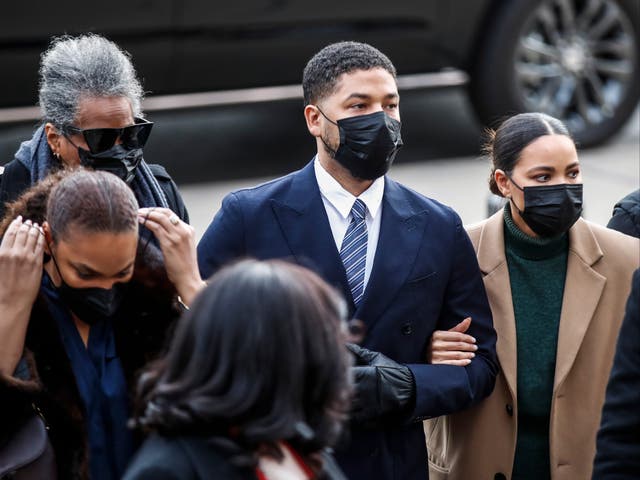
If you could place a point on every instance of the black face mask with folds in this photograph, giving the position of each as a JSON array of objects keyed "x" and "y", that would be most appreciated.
[
  {"x": 368, "y": 144},
  {"x": 91, "y": 305},
  {"x": 551, "y": 210},
  {"x": 120, "y": 161}
]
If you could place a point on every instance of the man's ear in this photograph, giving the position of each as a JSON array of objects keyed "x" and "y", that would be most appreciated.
[
  {"x": 53, "y": 138},
  {"x": 312, "y": 116},
  {"x": 503, "y": 183}
]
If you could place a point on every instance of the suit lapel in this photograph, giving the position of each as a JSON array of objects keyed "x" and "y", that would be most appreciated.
[
  {"x": 582, "y": 291},
  {"x": 303, "y": 221},
  {"x": 493, "y": 264},
  {"x": 401, "y": 235}
]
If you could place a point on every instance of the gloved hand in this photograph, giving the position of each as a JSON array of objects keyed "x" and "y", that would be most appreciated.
[{"x": 385, "y": 390}]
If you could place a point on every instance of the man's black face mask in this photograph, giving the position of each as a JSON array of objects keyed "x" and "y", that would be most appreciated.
[{"x": 368, "y": 144}]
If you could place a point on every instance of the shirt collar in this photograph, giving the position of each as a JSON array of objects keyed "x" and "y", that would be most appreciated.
[{"x": 342, "y": 200}]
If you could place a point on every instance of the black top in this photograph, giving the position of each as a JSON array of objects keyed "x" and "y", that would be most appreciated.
[
  {"x": 618, "y": 444},
  {"x": 193, "y": 458},
  {"x": 45, "y": 377},
  {"x": 626, "y": 215}
]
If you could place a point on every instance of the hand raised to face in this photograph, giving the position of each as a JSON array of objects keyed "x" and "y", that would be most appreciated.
[
  {"x": 21, "y": 257},
  {"x": 178, "y": 245}
]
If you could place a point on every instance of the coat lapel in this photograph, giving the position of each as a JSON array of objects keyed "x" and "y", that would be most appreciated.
[
  {"x": 401, "y": 236},
  {"x": 582, "y": 291},
  {"x": 493, "y": 264},
  {"x": 303, "y": 221}
]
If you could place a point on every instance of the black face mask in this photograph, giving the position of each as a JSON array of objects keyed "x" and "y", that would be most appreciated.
[
  {"x": 91, "y": 305},
  {"x": 551, "y": 210},
  {"x": 368, "y": 144},
  {"x": 119, "y": 160}
]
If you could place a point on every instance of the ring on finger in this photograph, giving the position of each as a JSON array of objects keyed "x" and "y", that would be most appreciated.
[{"x": 174, "y": 219}]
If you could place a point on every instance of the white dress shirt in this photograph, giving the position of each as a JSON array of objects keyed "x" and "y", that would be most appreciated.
[{"x": 338, "y": 202}]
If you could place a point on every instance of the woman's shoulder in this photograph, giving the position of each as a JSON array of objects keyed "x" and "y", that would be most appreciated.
[
  {"x": 475, "y": 230},
  {"x": 610, "y": 253},
  {"x": 181, "y": 457},
  {"x": 612, "y": 242},
  {"x": 160, "y": 458}
]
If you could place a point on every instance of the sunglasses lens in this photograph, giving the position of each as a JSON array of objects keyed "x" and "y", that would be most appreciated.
[
  {"x": 101, "y": 139},
  {"x": 135, "y": 136}
]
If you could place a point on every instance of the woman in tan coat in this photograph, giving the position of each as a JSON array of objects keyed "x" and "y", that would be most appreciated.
[{"x": 557, "y": 286}]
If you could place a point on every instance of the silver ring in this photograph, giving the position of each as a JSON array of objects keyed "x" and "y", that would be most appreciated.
[{"x": 174, "y": 219}]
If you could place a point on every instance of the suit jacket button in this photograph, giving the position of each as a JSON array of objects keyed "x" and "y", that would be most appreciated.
[
  {"x": 499, "y": 476},
  {"x": 509, "y": 408},
  {"x": 407, "y": 329}
]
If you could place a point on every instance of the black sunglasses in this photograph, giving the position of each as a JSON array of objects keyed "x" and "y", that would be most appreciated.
[{"x": 102, "y": 139}]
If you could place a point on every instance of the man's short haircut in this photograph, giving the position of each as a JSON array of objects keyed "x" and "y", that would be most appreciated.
[{"x": 321, "y": 74}]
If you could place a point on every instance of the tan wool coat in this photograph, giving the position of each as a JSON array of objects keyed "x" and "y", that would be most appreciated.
[{"x": 479, "y": 443}]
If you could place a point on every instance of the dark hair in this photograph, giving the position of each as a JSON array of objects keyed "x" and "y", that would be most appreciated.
[
  {"x": 32, "y": 203},
  {"x": 324, "y": 69},
  {"x": 94, "y": 201},
  {"x": 505, "y": 144},
  {"x": 258, "y": 359},
  {"x": 149, "y": 280}
]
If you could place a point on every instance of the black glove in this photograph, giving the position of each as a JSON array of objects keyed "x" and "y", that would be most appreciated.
[{"x": 385, "y": 390}]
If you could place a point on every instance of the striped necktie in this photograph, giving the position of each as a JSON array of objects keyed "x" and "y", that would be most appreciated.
[{"x": 354, "y": 250}]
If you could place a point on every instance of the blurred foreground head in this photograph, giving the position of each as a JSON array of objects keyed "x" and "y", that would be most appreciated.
[{"x": 258, "y": 359}]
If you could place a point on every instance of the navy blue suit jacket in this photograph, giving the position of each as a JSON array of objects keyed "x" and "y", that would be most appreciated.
[{"x": 425, "y": 277}]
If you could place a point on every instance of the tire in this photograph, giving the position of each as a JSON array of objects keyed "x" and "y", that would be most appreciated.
[{"x": 528, "y": 60}]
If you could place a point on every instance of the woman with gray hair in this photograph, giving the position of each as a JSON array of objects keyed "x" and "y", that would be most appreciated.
[{"x": 90, "y": 99}]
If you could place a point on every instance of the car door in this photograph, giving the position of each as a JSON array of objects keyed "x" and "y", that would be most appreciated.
[
  {"x": 250, "y": 43},
  {"x": 143, "y": 27}
]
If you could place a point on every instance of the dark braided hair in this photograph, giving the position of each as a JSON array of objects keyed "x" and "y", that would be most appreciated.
[{"x": 32, "y": 203}]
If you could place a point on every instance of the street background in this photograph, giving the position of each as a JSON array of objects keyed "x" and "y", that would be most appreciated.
[
  {"x": 441, "y": 159},
  {"x": 213, "y": 151}
]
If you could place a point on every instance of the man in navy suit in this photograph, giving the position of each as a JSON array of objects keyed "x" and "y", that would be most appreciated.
[{"x": 403, "y": 261}]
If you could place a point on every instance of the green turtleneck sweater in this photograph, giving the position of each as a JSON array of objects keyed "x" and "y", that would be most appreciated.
[{"x": 537, "y": 270}]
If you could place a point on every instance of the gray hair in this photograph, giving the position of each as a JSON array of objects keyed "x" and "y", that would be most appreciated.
[{"x": 74, "y": 68}]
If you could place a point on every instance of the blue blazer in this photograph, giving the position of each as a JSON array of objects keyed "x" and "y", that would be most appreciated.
[{"x": 425, "y": 277}]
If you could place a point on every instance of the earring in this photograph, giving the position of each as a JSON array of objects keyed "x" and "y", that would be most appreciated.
[{"x": 57, "y": 155}]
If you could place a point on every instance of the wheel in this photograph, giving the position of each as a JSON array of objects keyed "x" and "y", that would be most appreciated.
[{"x": 577, "y": 60}]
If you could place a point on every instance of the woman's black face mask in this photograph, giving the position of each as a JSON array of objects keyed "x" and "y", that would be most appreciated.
[
  {"x": 551, "y": 210},
  {"x": 368, "y": 144},
  {"x": 91, "y": 305},
  {"x": 120, "y": 161}
]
